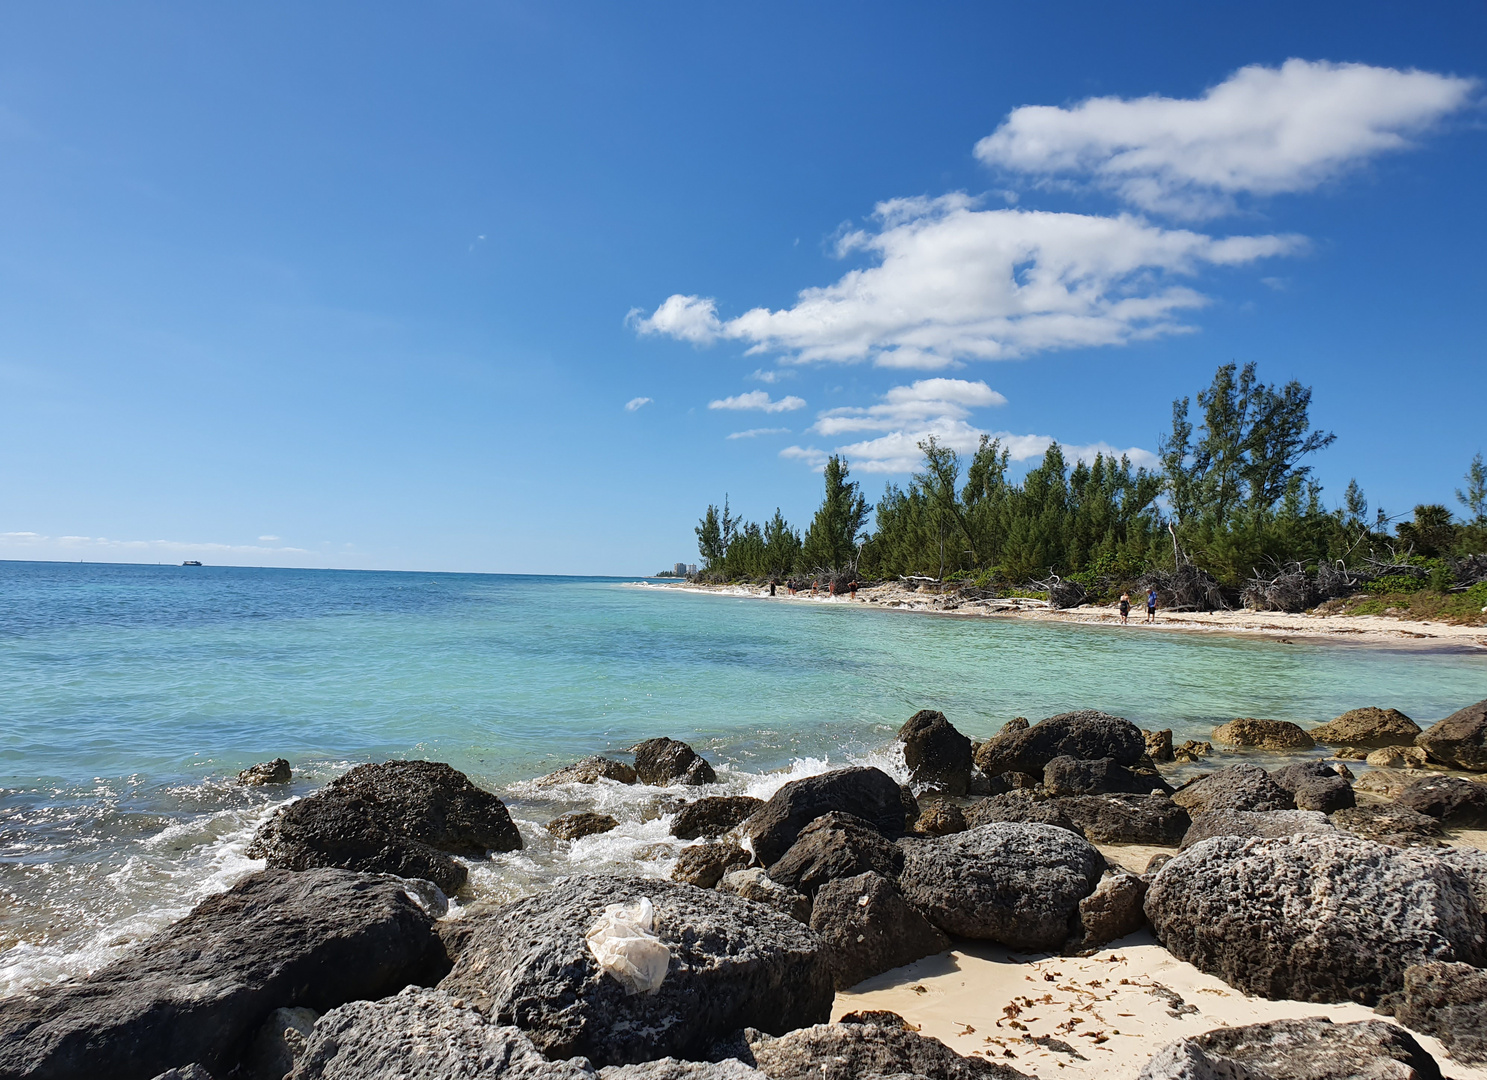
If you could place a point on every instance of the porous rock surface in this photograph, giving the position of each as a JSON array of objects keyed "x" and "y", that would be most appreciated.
[
  {"x": 940, "y": 819},
  {"x": 1250, "y": 823},
  {"x": 1310, "y": 1049},
  {"x": 734, "y": 964},
  {"x": 397, "y": 817},
  {"x": 1017, "y": 884},
  {"x": 1459, "y": 740},
  {"x": 1087, "y": 734},
  {"x": 869, "y": 928},
  {"x": 672, "y": 1069},
  {"x": 1067, "y": 775},
  {"x": 280, "y": 1043},
  {"x": 1315, "y": 785},
  {"x": 1452, "y": 800},
  {"x": 581, "y": 823},
  {"x": 704, "y": 865},
  {"x": 864, "y": 792},
  {"x": 590, "y": 771},
  {"x": 937, "y": 755},
  {"x": 1112, "y": 911},
  {"x": 754, "y": 883},
  {"x": 1368, "y": 729},
  {"x": 199, "y": 990},
  {"x": 835, "y": 845},
  {"x": 1390, "y": 823},
  {"x": 1279, "y": 735},
  {"x": 1100, "y": 819},
  {"x": 267, "y": 772},
  {"x": 662, "y": 762},
  {"x": 1235, "y": 787},
  {"x": 713, "y": 816},
  {"x": 423, "y": 1035},
  {"x": 1312, "y": 917},
  {"x": 1448, "y": 1001},
  {"x": 859, "y": 1051}
]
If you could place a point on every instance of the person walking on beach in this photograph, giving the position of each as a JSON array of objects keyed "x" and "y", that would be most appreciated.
[
  {"x": 1125, "y": 607},
  {"x": 1151, "y": 604}
]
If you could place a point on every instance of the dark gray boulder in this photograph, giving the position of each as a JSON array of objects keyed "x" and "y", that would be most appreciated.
[
  {"x": 1021, "y": 807},
  {"x": 1111, "y": 912},
  {"x": 1312, "y": 917},
  {"x": 398, "y": 817},
  {"x": 937, "y": 755},
  {"x": 590, "y": 771},
  {"x": 663, "y": 762},
  {"x": 1448, "y": 1001},
  {"x": 867, "y": 793},
  {"x": 834, "y": 846},
  {"x": 1016, "y": 884},
  {"x": 754, "y": 883},
  {"x": 1249, "y": 823},
  {"x": 1460, "y": 740},
  {"x": 713, "y": 816},
  {"x": 201, "y": 989},
  {"x": 1471, "y": 865},
  {"x": 267, "y": 772},
  {"x": 704, "y": 865},
  {"x": 1100, "y": 776},
  {"x": 581, "y": 823},
  {"x": 1087, "y": 735},
  {"x": 672, "y": 1069},
  {"x": 1315, "y": 786},
  {"x": 870, "y": 929},
  {"x": 859, "y": 1051},
  {"x": 279, "y": 1044},
  {"x": 424, "y": 1035},
  {"x": 1450, "y": 799},
  {"x": 733, "y": 964},
  {"x": 1367, "y": 729},
  {"x": 1100, "y": 819},
  {"x": 1311, "y": 1049},
  {"x": 186, "y": 1072},
  {"x": 1390, "y": 823},
  {"x": 1236, "y": 787}
]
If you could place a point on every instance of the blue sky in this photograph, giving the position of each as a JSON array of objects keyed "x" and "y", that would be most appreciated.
[{"x": 354, "y": 285}]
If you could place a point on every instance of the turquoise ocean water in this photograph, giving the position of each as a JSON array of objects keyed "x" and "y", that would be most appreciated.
[{"x": 132, "y": 694}]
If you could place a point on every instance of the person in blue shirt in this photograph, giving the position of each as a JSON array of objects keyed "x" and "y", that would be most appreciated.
[{"x": 1151, "y": 604}]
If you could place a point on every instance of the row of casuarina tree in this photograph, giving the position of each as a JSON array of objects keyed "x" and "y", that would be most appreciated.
[{"x": 1232, "y": 515}]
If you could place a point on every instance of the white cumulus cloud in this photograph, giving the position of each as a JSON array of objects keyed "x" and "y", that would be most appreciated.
[
  {"x": 760, "y": 400},
  {"x": 1262, "y": 131},
  {"x": 927, "y": 399},
  {"x": 754, "y": 433},
  {"x": 636, "y": 403},
  {"x": 951, "y": 283}
]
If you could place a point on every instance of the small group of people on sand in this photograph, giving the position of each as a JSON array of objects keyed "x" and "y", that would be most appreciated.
[{"x": 1151, "y": 605}]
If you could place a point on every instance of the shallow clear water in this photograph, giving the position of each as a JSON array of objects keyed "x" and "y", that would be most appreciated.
[{"x": 132, "y": 694}]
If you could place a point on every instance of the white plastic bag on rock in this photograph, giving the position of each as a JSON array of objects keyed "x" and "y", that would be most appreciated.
[{"x": 625, "y": 947}]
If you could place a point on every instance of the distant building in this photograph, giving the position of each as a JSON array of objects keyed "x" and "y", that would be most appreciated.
[
  {"x": 691, "y": 569},
  {"x": 681, "y": 569}
]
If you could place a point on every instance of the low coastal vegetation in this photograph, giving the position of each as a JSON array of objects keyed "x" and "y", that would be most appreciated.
[{"x": 1233, "y": 515}]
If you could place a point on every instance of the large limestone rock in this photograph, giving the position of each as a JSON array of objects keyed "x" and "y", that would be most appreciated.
[
  {"x": 1237, "y": 787},
  {"x": 1311, "y": 1049},
  {"x": 870, "y": 929},
  {"x": 201, "y": 989},
  {"x": 1368, "y": 729},
  {"x": 754, "y": 883},
  {"x": 1315, "y": 786},
  {"x": 704, "y": 865},
  {"x": 1312, "y": 917},
  {"x": 867, "y": 793},
  {"x": 581, "y": 823},
  {"x": 266, "y": 772},
  {"x": 1460, "y": 740},
  {"x": 734, "y": 964},
  {"x": 1390, "y": 823},
  {"x": 590, "y": 771},
  {"x": 940, "y": 819},
  {"x": 1086, "y": 735},
  {"x": 1102, "y": 776},
  {"x": 673, "y": 1069},
  {"x": 399, "y": 817},
  {"x": 1452, "y": 800},
  {"x": 713, "y": 816},
  {"x": 1248, "y": 823},
  {"x": 1275, "y": 735},
  {"x": 1112, "y": 911},
  {"x": 423, "y": 1035},
  {"x": 1448, "y": 1001},
  {"x": 835, "y": 846},
  {"x": 1016, "y": 884},
  {"x": 862, "y": 1051},
  {"x": 663, "y": 762},
  {"x": 1100, "y": 819},
  {"x": 937, "y": 755}
]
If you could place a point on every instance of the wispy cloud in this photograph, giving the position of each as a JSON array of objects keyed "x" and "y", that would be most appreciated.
[
  {"x": 760, "y": 400},
  {"x": 1262, "y": 131},
  {"x": 926, "y": 399},
  {"x": 637, "y": 403},
  {"x": 754, "y": 433},
  {"x": 268, "y": 539},
  {"x": 83, "y": 545}
]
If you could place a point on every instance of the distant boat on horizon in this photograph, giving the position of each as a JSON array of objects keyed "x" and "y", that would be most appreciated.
[{"x": 191, "y": 562}]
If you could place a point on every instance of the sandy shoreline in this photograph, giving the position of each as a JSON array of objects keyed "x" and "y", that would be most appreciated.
[{"x": 1356, "y": 629}]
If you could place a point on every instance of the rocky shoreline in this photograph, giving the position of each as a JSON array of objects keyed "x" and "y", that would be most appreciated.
[{"x": 1303, "y": 883}]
